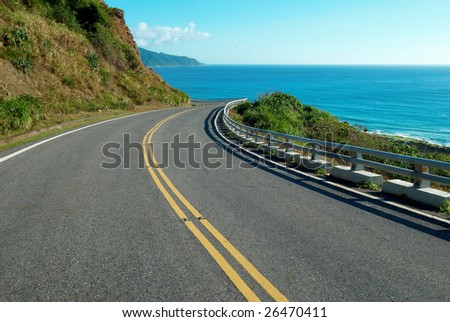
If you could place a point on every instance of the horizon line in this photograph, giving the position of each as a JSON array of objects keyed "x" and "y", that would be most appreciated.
[{"x": 315, "y": 64}]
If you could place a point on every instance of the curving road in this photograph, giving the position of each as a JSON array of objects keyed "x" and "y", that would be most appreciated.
[{"x": 73, "y": 230}]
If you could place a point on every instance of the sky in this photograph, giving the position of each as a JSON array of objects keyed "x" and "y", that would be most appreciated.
[{"x": 294, "y": 31}]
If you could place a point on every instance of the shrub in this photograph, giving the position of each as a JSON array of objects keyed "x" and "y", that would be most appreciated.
[
  {"x": 276, "y": 112},
  {"x": 105, "y": 40},
  {"x": 19, "y": 113},
  {"x": 23, "y": 63},
  {"x": 88, "y": 15},
  {"x": 445, "y": 207},
  {"x": 48, "y": 45},
  {"x": 106, "y": 76},
  {"x": 16, "y": 42},
  {"x": 368, "y": 185},
  {"x": 77, "y": 15},
  {"x": 62, "y": 13},
  {"x": 321, "y": 172},
  {"x": 92, "y": 60},
  {"x": 16, "y": 37},
  {"x": 130, "y": 57},
  {"x": 68, "y": 81}
]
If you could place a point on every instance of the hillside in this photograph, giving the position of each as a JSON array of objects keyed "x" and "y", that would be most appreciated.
[
  {"x": 62, "y": 57},
  {"x": 153, "y": 59}
]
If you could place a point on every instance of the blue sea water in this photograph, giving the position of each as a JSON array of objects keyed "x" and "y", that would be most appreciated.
[{"x": 410, "y": 101}]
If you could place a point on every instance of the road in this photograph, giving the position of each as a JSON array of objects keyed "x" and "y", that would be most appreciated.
[{"x": 76, "y": 227}]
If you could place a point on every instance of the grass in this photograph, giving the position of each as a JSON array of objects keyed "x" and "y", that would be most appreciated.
[
  {"x": 321, "y": 172},
  {"x": 19, "y": 113},
  {"x": 17, "y": 36},
  {"x": 65, "y": 123},
  {"x": 24, "y": 63},
  {"x": 17, "y": 45},
  {"x": 445, "y": 207},
  {"x": 369, "y": 185},
  {"x": 93, "y": 61},
  {"x": 68, "y": 81}
]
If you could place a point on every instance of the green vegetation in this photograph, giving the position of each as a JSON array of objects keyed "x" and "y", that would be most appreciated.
[
  {"x": 93, "y": 61},
  {"x": 321, "y": 172},
  {"x": 283, "y": 113},
  {"x": 17, "y": 48},
  {"x": 62, "y": 125},
  {"x": 277, "y": 112},
  {"x": 106, "y": 76},
  {"x": 369, "y": 185},
  {"x": 74, "y": 56},
  {"x": 23, "y": 63},
  {"x": 445, "y": 207},
  {"x": 20, "y": 112},
  {"x": 68, "y": 81},
  {"x": 130, "y": 57},
  {"x": 16, "y": 37}
]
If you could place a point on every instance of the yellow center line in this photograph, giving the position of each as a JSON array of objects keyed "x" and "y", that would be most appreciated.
[
  {"x": 248, "y": 266},
  {"x": 245, "y": 290}
]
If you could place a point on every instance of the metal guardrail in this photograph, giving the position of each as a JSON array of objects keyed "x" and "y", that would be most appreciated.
[
  {"x": 214, "y": 100},
  {"x": 355, "y": 155}
]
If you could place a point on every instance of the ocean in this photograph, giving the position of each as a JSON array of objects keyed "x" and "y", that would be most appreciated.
[{"x": 407, "y": 101}]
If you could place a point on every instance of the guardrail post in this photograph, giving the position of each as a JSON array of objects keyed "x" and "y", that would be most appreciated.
[
  {"x": 248, "y": 134},
  {"x": 314, "y": 156},
  {"x": 239, "y": 130},
  {"x": 269, "y": 139},
  {"x": 355, "y": 165},
  {"x": 289, "y": 146},
  {"x": 419, "y": 183}
]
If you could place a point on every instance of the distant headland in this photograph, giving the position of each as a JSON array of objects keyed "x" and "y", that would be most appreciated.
[{"x": 153, "y": 59}]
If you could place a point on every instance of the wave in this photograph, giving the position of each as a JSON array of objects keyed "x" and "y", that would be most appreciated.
[{"x": 440, "y": 142}]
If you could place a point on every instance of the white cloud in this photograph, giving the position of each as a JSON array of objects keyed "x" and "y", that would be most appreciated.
[{"x": 158, "y": 35}]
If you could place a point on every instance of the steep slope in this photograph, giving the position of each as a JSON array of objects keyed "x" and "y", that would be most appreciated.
[
  {"x": 153, "y": 59},
  {"x": 71, "y": 56}
]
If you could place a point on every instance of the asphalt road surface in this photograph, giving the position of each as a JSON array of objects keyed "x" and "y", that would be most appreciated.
[{"x": 90, "y": 217}]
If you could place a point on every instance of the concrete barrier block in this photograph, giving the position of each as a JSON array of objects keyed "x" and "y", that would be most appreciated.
[
  {"x": 262, "y": 147},
  {"x": 268, "y": 149},
  {"x": 273, "y": 150},
  {"x": 312, "y": 164},
  {"x": 255, "y": 145},
  {"x": 244, "y": 138},
  {"x": 281, "y": 153},
  {"x": 428, "y": 196},
  {"x": 397, "y": 187},
  {"x": 345, "y": 173},
  {"x": 291, "y": 157}
]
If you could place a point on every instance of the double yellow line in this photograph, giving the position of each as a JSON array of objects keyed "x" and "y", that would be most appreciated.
[{"x": 245, "y": 290}]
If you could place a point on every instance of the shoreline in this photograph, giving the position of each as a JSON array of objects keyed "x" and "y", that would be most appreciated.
[{"x": 420, "y": 143}]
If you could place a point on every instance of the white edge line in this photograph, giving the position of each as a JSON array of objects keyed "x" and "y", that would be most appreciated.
[
  {"x": 14, "y": 154},
  {"x": 391, "y": 203}
]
